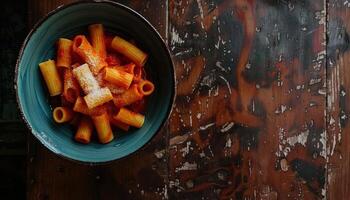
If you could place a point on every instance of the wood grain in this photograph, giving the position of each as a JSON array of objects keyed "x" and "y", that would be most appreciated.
[
  {"x": 142, "y": 175},
  {"x": 250, "y": 124},
  {"x": 338, "y": 84},
  {"x": 13, "y": 28},
  {"x": 261, "y": 109}
]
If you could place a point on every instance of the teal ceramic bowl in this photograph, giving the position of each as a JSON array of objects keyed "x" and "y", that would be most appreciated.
[{"x": 33, "y": 98}]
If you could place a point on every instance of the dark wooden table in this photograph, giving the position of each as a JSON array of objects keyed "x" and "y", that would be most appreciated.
[{"x": 261, "y": 109}]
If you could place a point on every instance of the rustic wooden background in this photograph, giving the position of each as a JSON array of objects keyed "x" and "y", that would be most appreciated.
[
  {"x": 261, "y": 109},
  {"x": 13, "y": 29}
]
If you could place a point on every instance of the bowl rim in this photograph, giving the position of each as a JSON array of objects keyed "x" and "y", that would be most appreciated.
[{"x": 144, "y": 20}]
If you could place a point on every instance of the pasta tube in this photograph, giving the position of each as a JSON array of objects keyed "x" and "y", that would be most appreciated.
[
  {"x": 98, "y": 97},
  {"x": 131, "y": 118},
  {"x": 64, "y": 49},
  {"x": 84, "y": 49},
  {"x": 81, "y": 107},
  {"x": 85, "y": 78},
  {"x": 129, "y": 68},
  {"x": 132, "y": 69},
  {"x": 62, "y": 114},
  {"x": 119, "y": 124},
  {"x": 98, "y": 39},
  {"x": 145, "y": 87},
  {"x": 113, "y": 88},
  {"x": 71, "y": 89},
  {"x": 52, "y": 79},
  {"x": 84, "y": 132},
  {"x": 128, "y": 97},
  {"x": 103, "y": 128},
  {"x": 117, "y": 77},
  {"x": 137, "y": 74},
  {"x": 129, "y": 50}
]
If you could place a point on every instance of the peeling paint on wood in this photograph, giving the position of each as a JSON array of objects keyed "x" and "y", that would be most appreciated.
[{"x": 267, "y": 60}]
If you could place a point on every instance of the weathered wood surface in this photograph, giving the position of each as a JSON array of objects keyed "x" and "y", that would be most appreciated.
[
  {"x": 13, "y": 28},
  {"x": 260, "y": 113},
  {"x": 249, "y": 121},
  {"x": 12, "y": 32},
  {"x": 338, "y": 83}
]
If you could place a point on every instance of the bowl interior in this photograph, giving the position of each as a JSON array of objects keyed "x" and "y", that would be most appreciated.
[{"x": 33, "y": 96}]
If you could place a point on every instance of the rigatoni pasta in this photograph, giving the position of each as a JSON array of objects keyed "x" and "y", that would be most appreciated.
[
  {"x": 130, "y": 96},
  {"x": 105, "y": 88},
  {"x": 62, "y": 114},
  {"x": 52, "y": 79},
  {"x": 130, "y": 68},
  {"x": 64, "y": 55},
  {"x": 85, "y": 78},
  {"x": 129, "y": 117},
  {"x": 71, "y": 88},
  {"x": 84, "y": 132},
  {"x": 81, "y": 107},
  {"x": 98, "y": 97},
  {"x": 112, "y": 87},
  {"x": 118, "y": 124},
  {"x": 129, "y": 50},
  {"x": 118, "y": 77},
  {"x": 145, "y": 87},
  {"x": 83, "y": 48},
  {"x": 103, "y": 128},
  {"x": 98, "y": 40}
]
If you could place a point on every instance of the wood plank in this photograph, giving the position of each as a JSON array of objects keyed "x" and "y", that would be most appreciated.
[
  {"x": 12, "y": 132},
  {"x": 140, "y": 176},
  {"x": 249, "y": 120},
  {"x": 338, "y": 83},
  {"x": 12, "y": 138},
  {"x": 13, "y": 31},
  {"x": 12, "y": 173}
]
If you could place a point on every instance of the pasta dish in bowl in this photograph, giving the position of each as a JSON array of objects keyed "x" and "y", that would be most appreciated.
[{"x": 94, "y": 81}]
